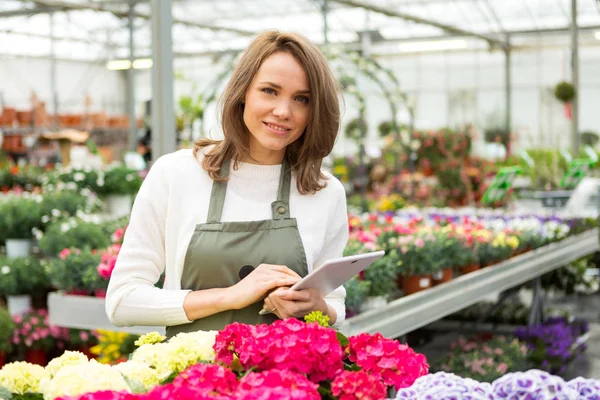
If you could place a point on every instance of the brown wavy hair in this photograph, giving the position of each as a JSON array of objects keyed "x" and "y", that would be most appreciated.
[{"x": 307, "y": 152}]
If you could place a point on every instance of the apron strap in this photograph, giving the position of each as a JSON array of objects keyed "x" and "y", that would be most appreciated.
[
  {"x": 281, "y": 207},
  {"x": 217, "y": 195}
]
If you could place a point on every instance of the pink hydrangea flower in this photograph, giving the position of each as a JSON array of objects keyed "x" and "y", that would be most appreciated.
[
  {"x": 358, "y": 385},
  {"x": 397, "y": 364},
  {"x": 179, "y": 392},
  {"x": 293, "y": 345},
  {"x": 102, "y": 395},
  {"x": 208, "y": 379},
  {"x": 277, "y": 384}
]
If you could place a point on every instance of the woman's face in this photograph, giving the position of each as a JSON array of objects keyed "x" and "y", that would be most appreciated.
[{"x": 276, "y": 107}]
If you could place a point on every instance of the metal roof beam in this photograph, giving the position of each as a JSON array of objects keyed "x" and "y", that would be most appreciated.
[
  {"x": 138, "y": 14},
  {"x": 492, "y": 40},
  {"x": 27, "y": 12}
]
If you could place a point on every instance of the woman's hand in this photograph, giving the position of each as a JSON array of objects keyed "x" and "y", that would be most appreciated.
[
  {"x": 297, "y": 303},
  {"x": 259, "y": 282}
]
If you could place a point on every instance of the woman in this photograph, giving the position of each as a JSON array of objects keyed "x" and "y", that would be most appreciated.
[{"x": 255, "y": 203}]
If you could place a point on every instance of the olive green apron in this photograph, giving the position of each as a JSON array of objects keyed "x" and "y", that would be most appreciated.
[{"x": 218, "y": 250}]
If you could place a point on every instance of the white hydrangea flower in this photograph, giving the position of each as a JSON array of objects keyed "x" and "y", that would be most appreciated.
[{"x": 5, "y": 270}]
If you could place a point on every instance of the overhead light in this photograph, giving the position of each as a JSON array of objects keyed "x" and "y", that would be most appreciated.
[
  {"x": 597, "y": 35},
  {"x": 434, "y": 45},
  {"x": 118, "y": 65},
  {"x": 142, "y": 63}
]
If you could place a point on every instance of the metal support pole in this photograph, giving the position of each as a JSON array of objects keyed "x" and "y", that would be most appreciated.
[
  {"x": 325, "y": 11},
  {"x": 53, "y": 85},
  {"x": 132, "y": 138},
  {"x": 163, "y": 113},
  {"x": 574, "y": 79},
  {"x": 508, "y": 89},
  {"x": 536, "y": 313}
]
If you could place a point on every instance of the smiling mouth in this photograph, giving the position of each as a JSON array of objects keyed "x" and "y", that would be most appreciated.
[{"x": 277, "y": 128}]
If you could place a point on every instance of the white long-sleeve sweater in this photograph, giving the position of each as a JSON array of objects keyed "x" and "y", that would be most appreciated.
[{"x": 174, "y": 198}]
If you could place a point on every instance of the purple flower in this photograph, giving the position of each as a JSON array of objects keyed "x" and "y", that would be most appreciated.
[
  {"x": 532, "y": 385},
  {"x": 587, "y": 389},
  {"x": 445, "y": 386}
]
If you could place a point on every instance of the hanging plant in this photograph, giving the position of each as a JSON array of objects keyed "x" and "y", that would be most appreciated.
[
  {"x": 385, "y": 128},
  {"x": 564, "y": 91},
  {"x": 356, "y": 129}
]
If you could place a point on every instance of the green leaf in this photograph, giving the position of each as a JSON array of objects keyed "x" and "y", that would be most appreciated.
[
  {"x": 5, "y": 394},
  {"x": 135, "y": 386},
  {"x": 342, "y": 339}
]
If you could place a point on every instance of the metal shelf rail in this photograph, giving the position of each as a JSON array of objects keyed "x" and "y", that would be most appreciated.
[{"x": 412, "y": 312}]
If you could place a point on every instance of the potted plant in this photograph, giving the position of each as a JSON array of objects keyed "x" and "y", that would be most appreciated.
[
  {"x": 119, "y": 185},
  {"x": 74, "y": 232},
  {"x": 76, "y": 271},
  {"x": 441, "y": 253},
  {"x": 414, "y": 263},
  {"x": 382, "y": 277},
  {"x": 20, "y": 215},
  {"x": 7, "y": 327},
  {"x": 357, "y": 290},
  {"x": 20, "y": 278},
  {"x": 36, "y": 336},
  {"x": 483, "y": 359},
  {"x": 61, "y": 203}
]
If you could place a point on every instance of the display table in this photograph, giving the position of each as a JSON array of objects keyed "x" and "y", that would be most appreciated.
[
  {"x": 412, "y": 312},
  {"x": 83, "y": 312},
  {"x": 396, "y": 318}
]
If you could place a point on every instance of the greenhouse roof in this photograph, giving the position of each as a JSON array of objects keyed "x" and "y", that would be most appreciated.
[{"x": 98, "y": 29}]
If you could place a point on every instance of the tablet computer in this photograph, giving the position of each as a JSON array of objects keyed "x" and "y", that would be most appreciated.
[{"x": 335, "y": 272}]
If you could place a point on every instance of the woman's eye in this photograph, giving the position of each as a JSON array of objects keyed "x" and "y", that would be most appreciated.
[
  {"x": 302, "y": 99},
  {"x": 268, "y": 91}
]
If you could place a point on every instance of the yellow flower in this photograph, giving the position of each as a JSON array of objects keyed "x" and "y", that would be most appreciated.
[
  {"x": 68, "y": 358},
  {"x": 150, "y": 338},
  {"x": 139, "y": 373},
  {"x": 21, "y": 377},
  {"x": 513, "y": 242},
  {"x": 182, "y": 351},
  {"x": 318, "y": 317},
  {"x": 74, "y": 380}
]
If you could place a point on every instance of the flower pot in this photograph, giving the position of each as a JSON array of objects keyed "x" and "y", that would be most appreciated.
[
  {"x": 444, "y": 275},
  {"x": 373, "y": 303},
  {"x": 36, "y": 356},
  {"x": 469, "y": 268},
  {"x": 18, "y": 305},
  {"x": 118, "y": 205},
  {"x": 416, "y": 283},
  {"x": 2, "y": 360},
  {"x": 18, "y": 247}
]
